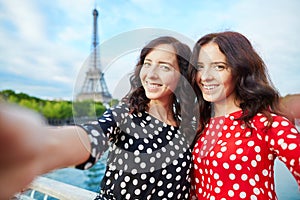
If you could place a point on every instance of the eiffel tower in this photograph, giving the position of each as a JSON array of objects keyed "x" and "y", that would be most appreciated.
[{"x": 94, "y": 86}]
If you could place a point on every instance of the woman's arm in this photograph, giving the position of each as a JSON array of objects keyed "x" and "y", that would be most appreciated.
[{"x": 29, "y": 148}]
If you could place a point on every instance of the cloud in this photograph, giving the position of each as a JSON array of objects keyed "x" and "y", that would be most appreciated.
[
  {"x": 48, "y": 42},
  {"x": 31, "y": 53},
  {"x": 273, "y": 28}
]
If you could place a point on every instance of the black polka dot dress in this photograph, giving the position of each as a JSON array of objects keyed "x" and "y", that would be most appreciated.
[{"x": 148, "y": 159}]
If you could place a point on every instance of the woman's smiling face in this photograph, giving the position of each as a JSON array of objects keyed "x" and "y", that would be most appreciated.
[
  {"x": 160, "y": 73},
  {"x": 214, "y": 76}
]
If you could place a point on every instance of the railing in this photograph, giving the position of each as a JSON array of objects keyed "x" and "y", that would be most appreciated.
[{"x": 56, "y": 189}]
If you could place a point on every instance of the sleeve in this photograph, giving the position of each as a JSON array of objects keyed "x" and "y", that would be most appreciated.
[
  {"x": 101, "y": 133},
  {"x": 284, "y": 140}
]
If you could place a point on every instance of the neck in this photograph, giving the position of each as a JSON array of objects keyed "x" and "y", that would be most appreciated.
[
  {"x": 162, "y": 112},
  {"x": 221, "y": 109}
]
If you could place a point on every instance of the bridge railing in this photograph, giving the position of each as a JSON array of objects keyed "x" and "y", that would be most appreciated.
[{"x": 52, "y": 188}]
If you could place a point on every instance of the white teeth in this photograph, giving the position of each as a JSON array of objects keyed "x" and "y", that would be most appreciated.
[
  {"x": 209, "y": 87},
  {"x": 152, "y": 85}
]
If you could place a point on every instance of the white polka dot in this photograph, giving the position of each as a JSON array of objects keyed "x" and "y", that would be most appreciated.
[
  {"x": 265, "y": 172},
  {"x": 253, "y": 163},
  {"x": 292, "y": 146},
  {"x": 143, "y": 165},
  {"x": 280, "y": 141},
  {"x": 152, "y": 180},
  {"x": 236, "y": 186},
  {"x": 256, "y": 177},
  {"x": 228, "y": 135},
  {"x": 243, "y": 195},
  {"x": 95, "y": 133},
  {"x": 275, "y": 124},
  {"x": 284, "y": 146},
  {"x": 284, "y": 123},
  {"x": 215, "y": 163},
  {"x": 223, "y": 149},
  {"x": 245, "y": 158},
  {"x": 219, "y": 183},
  {"x": 250, "y": 143},
  {"x": 253, "y": 197},
  {"x": 257, "y": 149},
  {"x": 219, "y": 155},
  {"x": 225, "y": 127},
  {"x": 293, "y": 130},
  {"x": 239, "y": 151},
  {"x": 256, "y": 191},
  {"x": 169, "y": 176},
  {"x": 231, "y": 176},
  {"x": 137, "y": 160},
  {"x": 238, "y": 142},
  {"x": 216, "y": 176},
  {"x": 137, "y": 191},
  {"x": 226, "y": 165},
  {"x": 230, "y": 193},
  {"x": 143, "y": 176},
  {"x": 238, "y": 167},
  {"x": 291, "y": 136},
  {"x": 279, "y": 133},
  {"x": 258, "y": 157},
  {"x": 244, "y": 177},
  {"x": 252, "y": 182},
  {"x": 232, "y": 157},
  {"x": 238, "y": 134}
]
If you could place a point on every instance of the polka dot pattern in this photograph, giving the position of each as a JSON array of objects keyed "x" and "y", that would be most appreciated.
[
  {"x": 232, "y": 161},
  {"x": 147, "y": 159}
]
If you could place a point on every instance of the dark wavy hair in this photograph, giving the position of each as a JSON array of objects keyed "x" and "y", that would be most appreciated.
[
  {"x": 136, "y": 98},
  {"x": 253, "y": 86}
]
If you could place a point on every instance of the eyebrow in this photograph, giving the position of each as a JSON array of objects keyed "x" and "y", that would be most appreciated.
[
  {"x": 160, "y": 62},
  {"x": 218, "y": 62}
]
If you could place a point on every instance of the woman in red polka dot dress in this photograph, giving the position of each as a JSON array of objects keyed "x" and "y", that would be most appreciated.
[{"x": 240, "y": 132}]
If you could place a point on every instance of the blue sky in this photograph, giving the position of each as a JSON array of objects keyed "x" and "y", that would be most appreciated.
[{"x": 45, "y": 44}]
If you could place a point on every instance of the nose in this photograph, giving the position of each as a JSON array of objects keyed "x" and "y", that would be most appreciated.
[
  {"x": 206, "y": 74},
  {"x": 152, "y": 72}
]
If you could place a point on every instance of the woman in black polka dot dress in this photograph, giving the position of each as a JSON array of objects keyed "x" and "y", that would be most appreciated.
[
  {"x": 239, "y": 134},
  {"x": 149, "y": 155},
  {"x": 148, "y": 135}
]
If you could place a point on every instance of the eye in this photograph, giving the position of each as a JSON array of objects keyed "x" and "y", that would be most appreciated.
[
  {"x": 164, "y": 67},
  {"x": 146, "y": 64},
  {"x": 199, "y": 67},
  {"x": 219, "y": 67}
]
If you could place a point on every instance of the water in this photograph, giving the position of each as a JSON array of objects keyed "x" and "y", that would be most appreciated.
[{"x": 285, "y": 184}]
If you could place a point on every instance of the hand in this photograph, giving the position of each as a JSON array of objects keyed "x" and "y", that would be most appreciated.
[{"x": 21, "y": 140}]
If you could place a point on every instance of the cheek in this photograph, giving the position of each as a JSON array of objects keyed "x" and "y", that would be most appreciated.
[
  {"x": 172, "y": 81},
  {"x": 198, "y": 78},
  {"x": 229, "y": 86},
  {"x": 142, "y": 74}
]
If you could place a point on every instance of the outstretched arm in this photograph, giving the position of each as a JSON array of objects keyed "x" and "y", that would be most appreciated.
[{"x": 29, "y": 148}]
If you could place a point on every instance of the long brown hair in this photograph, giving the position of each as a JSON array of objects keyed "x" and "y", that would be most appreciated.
[{"x": 253, "y": 88}]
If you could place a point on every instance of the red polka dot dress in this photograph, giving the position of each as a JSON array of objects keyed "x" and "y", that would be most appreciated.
[{"x": 231, "y": 162}]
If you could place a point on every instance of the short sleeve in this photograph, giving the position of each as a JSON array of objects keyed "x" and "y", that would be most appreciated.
[{"x": 100, "y": 133}]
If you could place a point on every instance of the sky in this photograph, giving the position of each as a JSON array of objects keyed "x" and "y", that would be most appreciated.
[{"x": 45, "y": 45}]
